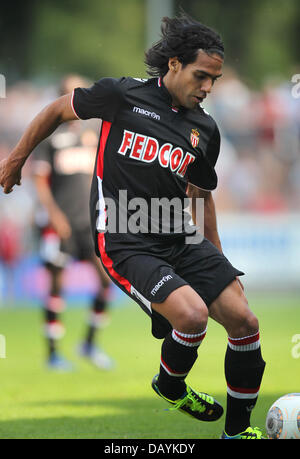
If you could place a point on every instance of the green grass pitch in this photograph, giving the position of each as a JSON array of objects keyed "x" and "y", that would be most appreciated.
[{"x": 89, "y": 403}]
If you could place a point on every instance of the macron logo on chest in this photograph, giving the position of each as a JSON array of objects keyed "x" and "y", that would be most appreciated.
[
  {"x": 144, "y": 112},
  {"x": 147, "y": 149}
]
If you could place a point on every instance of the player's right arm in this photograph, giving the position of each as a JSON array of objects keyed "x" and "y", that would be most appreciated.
[
  {"x": 102, "y": 100},
  {"x": 43, "y": 125}
]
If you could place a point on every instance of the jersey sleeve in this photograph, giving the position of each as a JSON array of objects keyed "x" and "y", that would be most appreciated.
[
  {"x": 202, "y": 172},
  {"x": 102, "y": 100},
  {"x": 213, "y": 147}
]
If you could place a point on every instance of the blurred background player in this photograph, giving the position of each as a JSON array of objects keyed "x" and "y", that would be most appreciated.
[{"x": 62, "y": 175}]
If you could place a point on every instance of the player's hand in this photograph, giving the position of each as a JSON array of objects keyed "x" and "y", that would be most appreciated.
[
  {"x": 10, "y": 174},
  {"x": 61, "y": 224}
]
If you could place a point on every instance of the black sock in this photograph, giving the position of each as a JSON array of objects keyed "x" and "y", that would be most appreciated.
[
  {"x": 179, "y": 353},
  {"x": 244, "y": 368},
  {"x": 53, "y": 329},
  {"x": 96, "y": 316}
]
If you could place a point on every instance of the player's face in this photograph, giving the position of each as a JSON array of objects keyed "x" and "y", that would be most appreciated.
[{"x": 190, "y": 85}]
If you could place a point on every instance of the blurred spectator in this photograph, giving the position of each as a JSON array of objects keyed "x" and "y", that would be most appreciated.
[
  {"x": 10, "y": 252},
  {"x": 260, "y": 153}
]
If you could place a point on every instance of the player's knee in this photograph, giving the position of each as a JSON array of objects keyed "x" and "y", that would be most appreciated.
[
  {"x": 193, "y": 319},
  {"x": 246, "y": 324}
]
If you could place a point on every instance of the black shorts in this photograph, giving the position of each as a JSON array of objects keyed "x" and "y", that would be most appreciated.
[
  {"x": 57, "y": 252},
  {"x": 148, "y": 270}
]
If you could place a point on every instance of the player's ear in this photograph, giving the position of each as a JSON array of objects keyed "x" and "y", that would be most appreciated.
[{"x": 174, "y": 64}]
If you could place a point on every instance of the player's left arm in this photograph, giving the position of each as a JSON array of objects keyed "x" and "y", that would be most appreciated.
[{"x": 210, "y": 218}]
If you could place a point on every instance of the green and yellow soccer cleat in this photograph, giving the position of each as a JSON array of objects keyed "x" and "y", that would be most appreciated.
[
  {"x": 248, "y": 434},
  {"x": 196, "y": 404}
]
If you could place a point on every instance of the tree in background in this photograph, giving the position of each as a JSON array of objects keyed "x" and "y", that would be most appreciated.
[
  {"x": 50, "y": 38},
  {"x": 261, "y": 36},
  {"x": 96, "y": 38}
]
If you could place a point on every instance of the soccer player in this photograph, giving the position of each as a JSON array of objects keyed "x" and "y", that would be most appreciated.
[
  {"x": 63, "y": 167},
  {"x": 156, "y": 144}
]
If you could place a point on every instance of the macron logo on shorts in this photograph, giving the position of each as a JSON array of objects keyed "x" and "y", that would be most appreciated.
[{"x": 160, "y": 284}]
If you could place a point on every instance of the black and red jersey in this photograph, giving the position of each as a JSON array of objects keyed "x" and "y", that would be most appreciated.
[{"x": 147, "y": 148}]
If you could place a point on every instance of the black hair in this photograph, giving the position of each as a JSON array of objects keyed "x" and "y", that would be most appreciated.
[{"x": 182, "y": 37}]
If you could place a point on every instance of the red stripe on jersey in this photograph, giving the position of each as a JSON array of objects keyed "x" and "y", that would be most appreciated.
[
  {"x": 244, "y": 341},
  {"x": 108, "y": 264},
  {"x": 105, "y": 129}
]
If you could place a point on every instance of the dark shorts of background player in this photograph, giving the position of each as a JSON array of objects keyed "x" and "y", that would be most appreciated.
[
  {"x": 79, "y": 246},
  {"x": 148, "y": 271}
]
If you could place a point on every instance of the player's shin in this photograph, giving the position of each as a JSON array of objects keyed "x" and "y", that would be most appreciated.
[
  {"x": 53, "y": 328},
  {"x": 178, "y": 355},
  {"x": 244, "y": 368},
  {"x": 97, "y": 320}
]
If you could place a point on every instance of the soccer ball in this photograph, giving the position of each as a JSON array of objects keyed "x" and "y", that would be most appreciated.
[{"x": 283, "y": 418}]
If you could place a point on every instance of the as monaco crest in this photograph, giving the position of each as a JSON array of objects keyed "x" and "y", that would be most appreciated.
[{"x": 194, "y": 138}]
